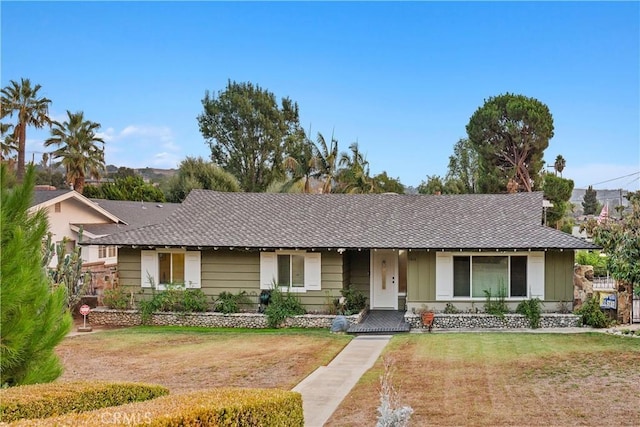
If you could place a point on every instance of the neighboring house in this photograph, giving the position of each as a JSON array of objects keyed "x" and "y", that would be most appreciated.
[
  {"x": 402, "y": 251},
  {"x": 69, "y": 212}
]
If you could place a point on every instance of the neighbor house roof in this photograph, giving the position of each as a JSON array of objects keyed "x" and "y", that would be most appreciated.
[
  {"x": 134, "y": 214},
  {"x": 271, "y": 220},
  {"x": 44, "y": 198}
]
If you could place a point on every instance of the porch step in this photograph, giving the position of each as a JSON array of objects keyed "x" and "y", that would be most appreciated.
[{"x": 381, "y": 322}]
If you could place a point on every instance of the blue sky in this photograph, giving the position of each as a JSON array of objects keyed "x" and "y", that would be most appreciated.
[{"x": 401, "y": 78}]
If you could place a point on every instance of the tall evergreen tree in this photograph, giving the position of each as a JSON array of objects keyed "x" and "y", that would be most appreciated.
[
  {"x": 590, "y": 201},
  {"x": 34, "y": 318}
]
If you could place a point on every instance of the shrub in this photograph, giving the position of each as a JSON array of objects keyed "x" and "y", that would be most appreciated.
[
  {"x": 216, "y": 407},
  {"x": 229, "y": 303},
  {"x": 46, "y": 400},
  {"x": 591, "y": 313},
  {"x": 354, "y": 301},
  {"x": 599, "y": 263},
  {"x": 174, "y": 298},
  {"x": 194, "y": 301},
  {"x": 451, "y": 309},
  {"x": 531, "y": 309},
  {"x": 116, "y": 298},
  {"x": 282, "y": 305},
  {"x": 497, "y": 307}
]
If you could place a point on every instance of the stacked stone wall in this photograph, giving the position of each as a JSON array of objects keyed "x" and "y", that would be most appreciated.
[
  {"x": 488, "y": 321},
  {"x": 107, "y": 317}
]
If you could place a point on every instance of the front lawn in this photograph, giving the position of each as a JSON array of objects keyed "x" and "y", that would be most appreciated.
[
  {"x": 186, "y": 359},
  {"x": 506, "y": 379}
]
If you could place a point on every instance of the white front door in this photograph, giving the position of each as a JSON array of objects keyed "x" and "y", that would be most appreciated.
[{"x": 384, "y": 280}]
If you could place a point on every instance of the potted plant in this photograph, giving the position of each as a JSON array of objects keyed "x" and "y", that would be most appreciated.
[{"x": 427, "y": 316}]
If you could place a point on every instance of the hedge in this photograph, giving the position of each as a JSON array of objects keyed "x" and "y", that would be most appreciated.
[
  {"x": 216, "y": 407},
  {"x": 52, "y": 399}
]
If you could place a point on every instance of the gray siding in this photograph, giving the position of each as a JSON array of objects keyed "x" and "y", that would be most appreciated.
[{"x": 359, "y": 262}]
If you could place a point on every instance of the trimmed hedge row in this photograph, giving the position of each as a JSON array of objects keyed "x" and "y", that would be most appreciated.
[
  {"x": 52, "y": 399},
  {"x": 215, "y": 407}
]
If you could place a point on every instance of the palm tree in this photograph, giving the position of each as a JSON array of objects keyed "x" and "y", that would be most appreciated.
[
  {"x": 302, "y": 165},
  {"x": 76, "y": 141},
  {"x": 22, "y": 99},
  {"x": 8, "y": 141},
  {"x": 354, "y": 176},
  {"x": 326, "y": 161},
  {"x": 559, "y": 164}
]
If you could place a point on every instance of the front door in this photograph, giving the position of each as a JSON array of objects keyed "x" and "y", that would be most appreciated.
[{"x": 384, "y": 286}]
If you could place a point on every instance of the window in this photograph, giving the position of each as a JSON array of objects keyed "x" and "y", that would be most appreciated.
[
  {"x": 291, "y": 270},
  {"x": 171, "y": 267},
  {"x": 57, "y": 207},
  {"x": 102, "y": 251},
  {"x": 297, "y": 270},
  {"x": 475, "y": 274},
  {"x": 112, "y": 251},
  {"x": 161, "y": 267}
]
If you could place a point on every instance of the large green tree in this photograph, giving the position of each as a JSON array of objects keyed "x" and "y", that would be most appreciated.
[
  {"x": 34, "y": 317},
  {"x": 620, "y": 240},
  {"x": 590, "y": 201},
  {"x": 301, "y": 165},
  {"x": 383, "y": 183},
  {"x": 353, "y": 173},
  {"x": 327, "y": 158},
  {"x": 198, "y": 173},
  {"x": 249, "y": 133},
  {"x": 126, "y": 188},
  {"x": 77, "y": 150},
  {"x": 558, "y": 191},
  {"x": 463, "y": 172},
  {"x": 23, "y": 101},
  {"x": 510, "y": 133}
]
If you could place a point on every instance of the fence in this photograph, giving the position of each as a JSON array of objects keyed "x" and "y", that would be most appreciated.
[{"x": 604, "y": 284}]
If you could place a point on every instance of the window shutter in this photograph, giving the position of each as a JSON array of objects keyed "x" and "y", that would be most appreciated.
[
  {"x": 535, "y": 275},
  {"x": 192, "y": 270},
  {"x": 148, "y": 269},
  {"x": 444, "y": 276},
  {"x": 312, "y": 271},
  {"x": 268, "y": 269}
]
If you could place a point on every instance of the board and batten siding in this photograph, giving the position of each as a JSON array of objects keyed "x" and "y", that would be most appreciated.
[
  {"x": 421, "y": 277},
  {"x": 558, "y": 276},
  {"x": 236, "y": 271},
  {"x": 359, "y": 263}
]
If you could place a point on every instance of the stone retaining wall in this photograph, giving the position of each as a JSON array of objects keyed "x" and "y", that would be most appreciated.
[
  {"x": 108, "y": 317},
  {"x": 484, "y": 321}
]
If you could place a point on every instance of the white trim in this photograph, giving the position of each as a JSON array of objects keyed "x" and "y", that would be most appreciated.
[
  {"x": 373, "y": 297},
  {"x": 148, "y": 269},
  {"x": 192, "y": 278},
  {"x": 268, "y": 269},
  {"x": 444, "y": 274},
  {"x": 75, "y": 195},
  {"x": 312, "y": 270}
]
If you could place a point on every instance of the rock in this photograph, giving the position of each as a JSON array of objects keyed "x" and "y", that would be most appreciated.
[{"x": 340, "y": 324}]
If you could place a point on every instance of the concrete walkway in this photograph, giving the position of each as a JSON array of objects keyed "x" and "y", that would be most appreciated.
[{"x": 327, "y": 386}]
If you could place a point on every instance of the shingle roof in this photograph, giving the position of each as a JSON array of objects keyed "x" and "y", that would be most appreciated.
[
  {"x": 41, "y": 196},
  {"x": 267, "y": 220}
]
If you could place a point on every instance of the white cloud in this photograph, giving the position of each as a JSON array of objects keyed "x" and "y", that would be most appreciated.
[{"x": 142, "y": 146}]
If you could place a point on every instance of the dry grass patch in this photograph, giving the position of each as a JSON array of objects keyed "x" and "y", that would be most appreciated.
[
  {"x": 506, "y": 379},
  {"x": 186, "y": 359}
]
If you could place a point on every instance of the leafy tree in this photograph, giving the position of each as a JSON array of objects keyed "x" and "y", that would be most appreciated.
[
  {"x": 23, "y": 100},
  {"x": 620, "y": 240},
  {"x": 126, "y": 187},
  {"x": 197, "y": 173},
  {"x": 559, "y": 164},
  {"x": 34, "y": 317},
  {"x": 558, "y": 191},
  {"x": 49, "y": 177},
  {"x": 510, "y": 133},
  {"x": 123, "y": 172},
  {"x": 353, "y": 175},
  {"x": 8, "y": 141},
  {"x": 463, "y": 173},
  {"x": 385, "y": 184},
  {"x": 76, "y": 141},
  {"x": 248, "y": 132},
  {"x": 590, "y": 201},
  {"x": 433, "y": 185}
]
